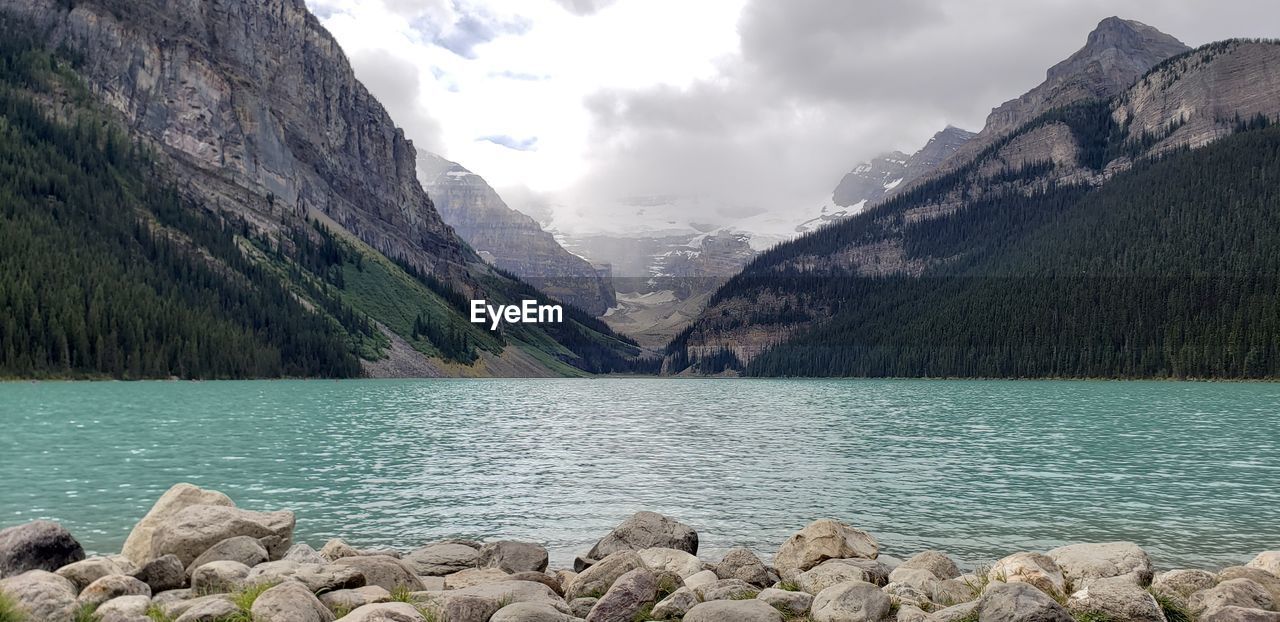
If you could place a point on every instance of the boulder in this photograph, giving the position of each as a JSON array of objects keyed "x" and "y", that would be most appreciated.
[
  {"x": 42, "y": 595},
  {"x": 385, "y": 612},
  {"x": 538, "y": 577},
  {"x": 112, "y": 586},
  {"x": 208, "y": 609},
  {"x": 1238, "y": 614},
  {"x": 671, "y": 560},
  {"x": 465, "y": 607},
  {"x": 919, "y": 578},
  {"x": 830, "y": 573},
  {"x": 1019, "y": 602},
  {"x": 303, "y": 554},
  {"x": 733, "y": 611},
  {"x": 675, "y": 605},
  {"x": 217, "y": 577},
  {"x": 337, "y": 548},
  {"x": 317, "y": 577},
  {"x": 474, "y": 576},
  {"x": 384, "y": 571},
  {"x": 706, "y": 577},
  {"x": 646, "y": 530},
  {"x": 954, "y": 591},
  {"x": 139, "y": 547},
  {"x": 124, "y": 609},
  {"x": 290, "y": 602},
  {"x": 1035, "y": 569},
  {"x": 580, "y": 607},
  {"x": 854, "y": 601},
  {"x": 350, "y": 599},
  {"x": 820, "y": 541},
  {"x": 513, "y": 557},
  {"x": 1118, "y": 599},
  {"x": 171, "y": 596},
  {"x": 194, "y": 529},
  {"x": 911, "y": 613},
  {"x": 243, "y": 549},
  {"x": 904, "y": 594},
  {"x": 1182, "y": 583},
  {"x": 162, "y": 574},
  {"x": 1268, "y": 561},
  {"x": 438, "y": 560},
  {"x": 1261, "y": 577},
  {"x": 531, "y": 612},
  {"x": 597, "y": 580},
  {"x": 1232, "y": 593},
  {"x": 936, "y": 562},
  {"x": 275, "y": 546},
  {"x": 726, "y": 589},
  {"x": 742, "y": 564},
  {"x": 86, "y": 571},
  {"x": 631, "y": 593},
  {"x": 515, "y": 592},
  {"x": 38, "y": 545},
  {"x": 1082, "y": 563},
  {"x": 791, "y": 604},
  {"x": 963, "y": 611}
]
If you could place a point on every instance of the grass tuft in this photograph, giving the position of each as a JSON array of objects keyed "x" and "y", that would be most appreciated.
[
  {"x": 86, "y": 613},
  {"x": 157, "y": 614},
  {"x": 789, "y": 586},
  {"x": 1174, "y": 610},
  {"x": 9, "y": 611}
]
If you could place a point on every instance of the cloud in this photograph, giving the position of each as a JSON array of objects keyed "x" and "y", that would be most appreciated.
[
  {"x": 396, "y": 83},
  {"x": 518, "y": 144},
  {"x": 474, "y": 28},
  {"x": 584, "y": 7}
]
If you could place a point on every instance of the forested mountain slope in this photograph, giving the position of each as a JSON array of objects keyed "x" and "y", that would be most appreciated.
[{"x": 1102, "y": 238}]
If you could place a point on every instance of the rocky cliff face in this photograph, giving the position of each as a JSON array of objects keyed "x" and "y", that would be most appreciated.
[
  {"x": 510, "y": 240},
  {"x": 258, "y": 111},
  {"x": 874, "y": 181}
]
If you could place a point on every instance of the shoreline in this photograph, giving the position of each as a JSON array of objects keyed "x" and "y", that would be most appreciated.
[{"x": 196, "y": 557}]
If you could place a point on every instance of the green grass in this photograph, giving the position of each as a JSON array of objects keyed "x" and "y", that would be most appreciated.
[
  {"x": 789, "y": 586},
  {"x": 9, "y": 611},
  {"x": 244, "y": 599},
  {"x": 745, "y": 595},
  {"x": 667, "y": 585},
  {"x": 645, "y": 613},
  {"x": 1174, "y": 611},
  {"x": 972, "y": 616},
  {"x": 1093, "y": 616},
  {"x": 86, "y": 613},
  {"x": 157, "y": 614}
]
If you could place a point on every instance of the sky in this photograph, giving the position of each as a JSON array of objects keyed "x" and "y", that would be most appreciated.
[{"x": 608, "y": 115}]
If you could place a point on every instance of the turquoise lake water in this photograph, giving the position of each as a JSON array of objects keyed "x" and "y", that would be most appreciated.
[{"x": 1191, "y": 471}]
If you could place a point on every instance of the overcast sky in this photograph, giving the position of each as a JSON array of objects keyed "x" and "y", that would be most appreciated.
[{"x": 751, "y": 105}]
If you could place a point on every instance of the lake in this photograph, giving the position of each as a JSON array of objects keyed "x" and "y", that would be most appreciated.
[{"x": 979, "y": 469}]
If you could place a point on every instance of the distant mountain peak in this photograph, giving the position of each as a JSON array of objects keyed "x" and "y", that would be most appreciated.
[
  {"x": 880, "y": 178},
  {"x": 1120, "y": 50}
]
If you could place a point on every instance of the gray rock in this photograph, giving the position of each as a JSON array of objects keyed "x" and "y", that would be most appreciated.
[
  {"x": 1261, "y": 577},
  {"x": 706, "y": 577},
  {"x": 468, "y": 608},
  {"x": 1268, "y": 561},
  {"x": 140, "y": 546},
  {"x": 905, "y": 594},
  {"x": 726, "y": 589},
  {"x": 124, "y": 609},
  {"x": 275, "y": 546},
  {"x": 830, "y": 573},
  {"x": 954, "y": 591},
  {"x": 112, "y": 586},
  {"x": 919, "y": 578},
  {"x": 955, "y": 612},
  {"x": 1082, "y": 563},
  {"x": 475, "y": 576},
  {"x": 351, "y": 599},
  {"x": 303, "y": 554},
  {"x": 515, "y": 592},
  {"x": 209, "y": 609},
  {"x": 791, "y": 604},
  {"x": 386, "y": 572},
  {"x": 1238, "y": 614},
  {"x": 1035, "y": 569},
  {"x": 513, "y": 557},
  {"x": 290, "y": 602},
  {"x": 337, "y": 548},
  {"x": 38, "y": 545},
  {"x": 911, "y": 613},
  {"x": 171, "y": 596},
  {"x": 676, "y": 605},
  {"x": 1183, "y": 583},
  {"x": 178, "y": 608},
  {"x": 742, "y": 564},
  {"x": 440, "y": 559},
  {"x": 317, "y": 577},
  {"x": 1019, "y": 602},
  {"x": 385, "y": 612},
  {"x": 820, "y": 541},
  {"x": 597, "y": 580},
  {"x": 538, "y": 577},
  {"x": 42, "y": 595},
  {"x": 194, "y": 529},
  {"x": 162, "y": 574},
  {"x": 855, "y": 601},
  {"x": 646, "y": 530},
  {"x": 86, "y": 571},
  {"x": 531, "y": 612},
  {"x": 216, "y": 577},
  {"x": 631, "y": 593},
  {"x": 733, "y": 611},
  {"x": 1232, "y": 593},
  {"x": 243, "y": 549},
  {"x": 1118, "y": 599},
  {"x": 580, "y": 607},
  {"x": 936, "y": 562},
  {"x": 675, "y": 561}
]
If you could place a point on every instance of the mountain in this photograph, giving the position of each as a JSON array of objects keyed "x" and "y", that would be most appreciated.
[
  {"x": 288, "y": 180},
  {"x": 510, "y": 240},
  {"x": 1122, "y": 235}
]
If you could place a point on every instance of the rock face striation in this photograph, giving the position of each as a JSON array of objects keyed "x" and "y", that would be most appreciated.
[{"x": 511, "y": 240}]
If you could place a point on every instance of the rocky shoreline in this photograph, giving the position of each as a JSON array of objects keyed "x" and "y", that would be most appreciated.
[{"x": 196, "y": 557}]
